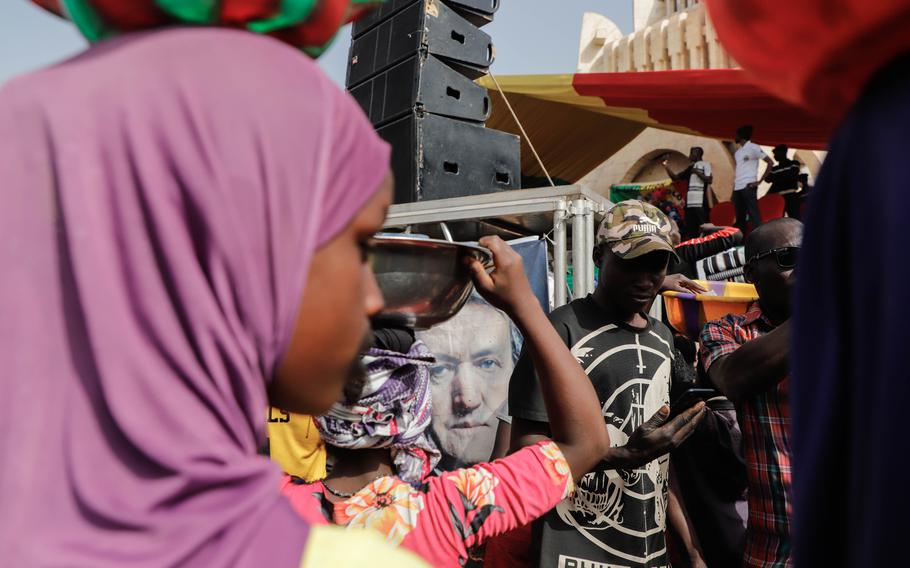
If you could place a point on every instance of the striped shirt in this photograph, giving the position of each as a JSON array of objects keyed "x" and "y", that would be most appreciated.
[
  {"x": 765, "y": 422},
  {"x": 726, "y": 265},
  {"x": 696, "y": 195},
  {"x": 784, "y": 177}
]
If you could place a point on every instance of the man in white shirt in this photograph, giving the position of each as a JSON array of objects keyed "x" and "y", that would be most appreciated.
[
  {"x": 699, "y": 176},
  {"x": 745, "y": 188}
]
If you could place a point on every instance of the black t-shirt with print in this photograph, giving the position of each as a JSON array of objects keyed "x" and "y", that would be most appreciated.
[{"x": 616, "y": 517}]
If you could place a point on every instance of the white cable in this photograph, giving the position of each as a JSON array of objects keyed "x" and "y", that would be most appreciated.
[{"x": 522, "y": 128}]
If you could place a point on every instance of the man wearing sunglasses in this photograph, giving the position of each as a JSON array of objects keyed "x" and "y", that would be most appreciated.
[{"x": 747, "y": 358}]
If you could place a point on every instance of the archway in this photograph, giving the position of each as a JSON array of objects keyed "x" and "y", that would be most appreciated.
[
  {"x": 648, "y": 168},
  {"x": 629, "y": 164}
]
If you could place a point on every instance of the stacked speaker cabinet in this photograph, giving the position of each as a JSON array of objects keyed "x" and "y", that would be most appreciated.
[{"x": 412, "y": 68}]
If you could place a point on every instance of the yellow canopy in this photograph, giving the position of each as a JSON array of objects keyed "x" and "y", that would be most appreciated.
[
  {"x": 572, "y": 134},
  {"x": 578, "y": 121}
]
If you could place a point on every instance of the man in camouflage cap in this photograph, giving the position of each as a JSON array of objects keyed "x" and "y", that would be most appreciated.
[
  {"x": 634, "y": 228},
  {"x": 617, "y": 515}
]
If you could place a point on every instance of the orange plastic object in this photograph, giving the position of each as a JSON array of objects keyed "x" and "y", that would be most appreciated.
[{"x": 688, "y": 313}]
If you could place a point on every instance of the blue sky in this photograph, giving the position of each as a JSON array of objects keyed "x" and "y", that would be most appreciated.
[{"x": 531, "y": 36}]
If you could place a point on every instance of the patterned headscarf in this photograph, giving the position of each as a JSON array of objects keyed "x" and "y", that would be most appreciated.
[
  {"x": 394, "y": 411},
  {"x": 307, "y": 24}
]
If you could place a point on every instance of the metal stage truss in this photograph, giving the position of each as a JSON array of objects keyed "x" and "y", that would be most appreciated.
[{"x": 567, "y": 215}]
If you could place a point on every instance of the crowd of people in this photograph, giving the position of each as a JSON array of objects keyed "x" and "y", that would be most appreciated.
[
  {"x": 643, "y": 496},
  {"x": 784, "y": 174},
  {"x": 186, "y": 249}
]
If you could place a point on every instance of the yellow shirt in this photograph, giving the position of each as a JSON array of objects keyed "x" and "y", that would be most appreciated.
[
  {"x": 339, "y": 548},
  {"x": 295, "y": 444}
]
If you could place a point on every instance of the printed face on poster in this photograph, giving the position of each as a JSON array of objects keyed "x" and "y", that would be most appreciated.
[
  {"x": 470, "y": 380},
  {"x": 475, "y": 354}
]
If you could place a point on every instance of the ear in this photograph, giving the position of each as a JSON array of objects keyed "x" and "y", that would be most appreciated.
[
  {"x": 598, "y": 256},
  {"x": 749, "y": 273}
]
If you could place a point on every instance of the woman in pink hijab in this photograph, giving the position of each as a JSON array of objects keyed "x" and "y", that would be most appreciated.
[{"x": 173, "y": 203}]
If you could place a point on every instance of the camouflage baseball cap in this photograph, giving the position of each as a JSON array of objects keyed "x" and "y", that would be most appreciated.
[{"x": 634, "y": 228}]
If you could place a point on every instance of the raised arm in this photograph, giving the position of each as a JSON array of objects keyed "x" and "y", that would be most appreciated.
[
  {"x": 769, "y": 163},
  {"x": 576, "y": 423},
  {"x": 673, "y": 176},
  {"x": 754, "y": 367}
]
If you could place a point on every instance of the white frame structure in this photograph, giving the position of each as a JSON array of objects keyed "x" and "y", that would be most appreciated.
[{"x": 565, "y": 211}]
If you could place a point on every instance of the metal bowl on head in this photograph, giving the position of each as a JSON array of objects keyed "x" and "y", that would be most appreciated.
[{"x": 424, "y": 281}]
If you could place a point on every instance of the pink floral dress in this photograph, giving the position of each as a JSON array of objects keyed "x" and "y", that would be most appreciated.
[{"x": 447, "y": 519}]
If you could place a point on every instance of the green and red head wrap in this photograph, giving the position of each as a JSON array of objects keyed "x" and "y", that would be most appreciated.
[{"x": 307, "y": 24}]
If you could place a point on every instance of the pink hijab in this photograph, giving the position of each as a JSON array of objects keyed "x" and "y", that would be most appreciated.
[{"x": 161, "y": 197}]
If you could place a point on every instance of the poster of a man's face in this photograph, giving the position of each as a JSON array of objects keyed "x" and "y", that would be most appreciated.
[{"x": 470, "y": 380}]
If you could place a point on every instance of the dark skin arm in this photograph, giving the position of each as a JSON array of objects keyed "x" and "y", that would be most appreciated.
[
  {"x": 755, "y": 367},
  {"x": 680, "y": 283},
  {"x": 680, "y": 523},
  {"x": 770, "y": 164},
  {"x": 651, "y": 440},
  {"x": 701, "y": 174},
  {"x": 576, "y": 423},
  {"x": 761, "y": 178},
  {"x": 501, "y": 444},
  {"x": 673, "y": 176}
]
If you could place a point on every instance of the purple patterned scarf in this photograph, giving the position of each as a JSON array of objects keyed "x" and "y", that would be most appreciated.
[{"x": 394, "y": 411}]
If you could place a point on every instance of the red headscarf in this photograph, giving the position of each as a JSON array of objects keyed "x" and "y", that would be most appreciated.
[
  {"x": 308, "y": 25},
  {"x": 815, "y": 53}
]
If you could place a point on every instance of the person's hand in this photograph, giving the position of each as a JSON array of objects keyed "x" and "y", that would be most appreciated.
[
  {"x": 680, "y": 283},
  {"x": 696, "y": 560},
  {"x": 506, "y": 287},
  {"x": 656, "y": 437},
  {"x": 708, "y": 228},
  {"x": 752, "y": 185}
]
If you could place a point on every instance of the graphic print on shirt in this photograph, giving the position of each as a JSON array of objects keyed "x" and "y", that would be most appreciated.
[{"x": 621, "y": 511}]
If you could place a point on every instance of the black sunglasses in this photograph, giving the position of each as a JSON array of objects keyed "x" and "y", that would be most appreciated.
[{"x": 786, "y": 257}]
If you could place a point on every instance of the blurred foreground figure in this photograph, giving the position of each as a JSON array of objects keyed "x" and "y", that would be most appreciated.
[
  {"x": 178, "y": 207},
  {"x": 850, "y": 385}
]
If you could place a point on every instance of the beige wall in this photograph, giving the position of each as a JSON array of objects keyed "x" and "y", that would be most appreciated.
[
  {"x": 646, "y": 12},
  {"x": 669, "y": 34},
  {"x": 596, "y": 32},
  {"x": 636, "y": 162}
]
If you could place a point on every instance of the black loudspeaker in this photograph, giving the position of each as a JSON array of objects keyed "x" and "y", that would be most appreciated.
[
  {"x": 411, "y": 68},
  {"x": 424, "y": 84},
  {"x": 434, "y": 157},
  {"x": 478, "y": 12},
  {"x": 428, "y": 27}
]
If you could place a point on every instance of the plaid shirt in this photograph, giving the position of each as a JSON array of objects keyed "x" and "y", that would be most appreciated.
[{"x": 765, "y": 422}]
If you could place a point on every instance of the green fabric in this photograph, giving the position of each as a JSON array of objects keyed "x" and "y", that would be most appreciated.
[
  {"x": 86, "y": 19},
  {"x": 204, "y": 12},
  {"x": 191, "y": 11},
  {"x": 315, "y": 51},
  {"x": 292, "y": 13},
  {"x": 623, "y": 192}
]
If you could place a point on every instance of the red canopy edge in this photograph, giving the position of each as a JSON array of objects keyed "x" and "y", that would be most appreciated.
[{"x": 712, "y": 102}]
